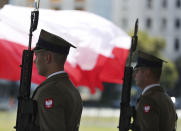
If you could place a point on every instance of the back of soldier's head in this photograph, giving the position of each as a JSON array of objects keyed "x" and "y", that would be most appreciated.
[{"x": 149, "y": 61}]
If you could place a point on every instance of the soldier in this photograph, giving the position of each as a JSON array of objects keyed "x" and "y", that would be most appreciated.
[
  {"x": 155, "y": 110},
  {"x": 58, "y": 101}
]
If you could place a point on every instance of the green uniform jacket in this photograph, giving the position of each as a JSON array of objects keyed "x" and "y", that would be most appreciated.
[
  {"x": 155, "y": 111},
  {"x": 59, "y": 104}
]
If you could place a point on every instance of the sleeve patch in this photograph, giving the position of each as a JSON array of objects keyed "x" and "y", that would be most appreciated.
[
  {"x": 147, "y": 108},
  {"x": 48, "y": 103}
]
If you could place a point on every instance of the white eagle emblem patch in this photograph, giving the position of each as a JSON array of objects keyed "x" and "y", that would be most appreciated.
[
  {"x": 48, "y": 103},
  {"x": 147, "y": 108}
]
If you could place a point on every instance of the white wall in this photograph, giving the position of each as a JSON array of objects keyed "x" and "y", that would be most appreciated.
[{"x": 132, "y": 9}]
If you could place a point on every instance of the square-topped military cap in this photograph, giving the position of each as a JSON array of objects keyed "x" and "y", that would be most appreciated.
[
  {"x": 53, "y": 43},
  {"x": 147, "y": 60}
]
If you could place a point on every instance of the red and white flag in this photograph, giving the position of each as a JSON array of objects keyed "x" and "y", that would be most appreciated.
[{"x": 100, "y": 56}]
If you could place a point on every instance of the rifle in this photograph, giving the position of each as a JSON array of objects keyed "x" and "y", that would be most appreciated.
[
  {"x": 26, "y": 106},
  {"x": 127, "y": 112}
]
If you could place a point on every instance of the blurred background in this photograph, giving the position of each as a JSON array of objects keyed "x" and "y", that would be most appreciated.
[{"x": 159, "y": 34}]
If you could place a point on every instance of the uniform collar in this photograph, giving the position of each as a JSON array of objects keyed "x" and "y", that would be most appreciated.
[
  {"x": 55, "y": 73},
  {"x": 148, "y": 87}
]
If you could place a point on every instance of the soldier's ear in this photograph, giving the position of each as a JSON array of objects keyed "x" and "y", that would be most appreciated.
[
  {"x": 148, "y": 71},
  {"x": 48, "y": 58}
]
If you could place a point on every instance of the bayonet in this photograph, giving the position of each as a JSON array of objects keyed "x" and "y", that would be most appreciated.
[{"x": 133, "y": 42}]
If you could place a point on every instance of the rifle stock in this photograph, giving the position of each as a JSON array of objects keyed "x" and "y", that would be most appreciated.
[
  {"x": 127, "y": 112},
  {"x": 26, "y": 106}
]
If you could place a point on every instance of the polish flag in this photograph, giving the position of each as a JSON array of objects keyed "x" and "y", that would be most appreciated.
[{"x": 100, "y": 56}]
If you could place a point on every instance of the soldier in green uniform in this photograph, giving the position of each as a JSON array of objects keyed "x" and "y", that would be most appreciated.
[
  {"x": 155, "y": 110},
  {"x": 58, "y": 101}
]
